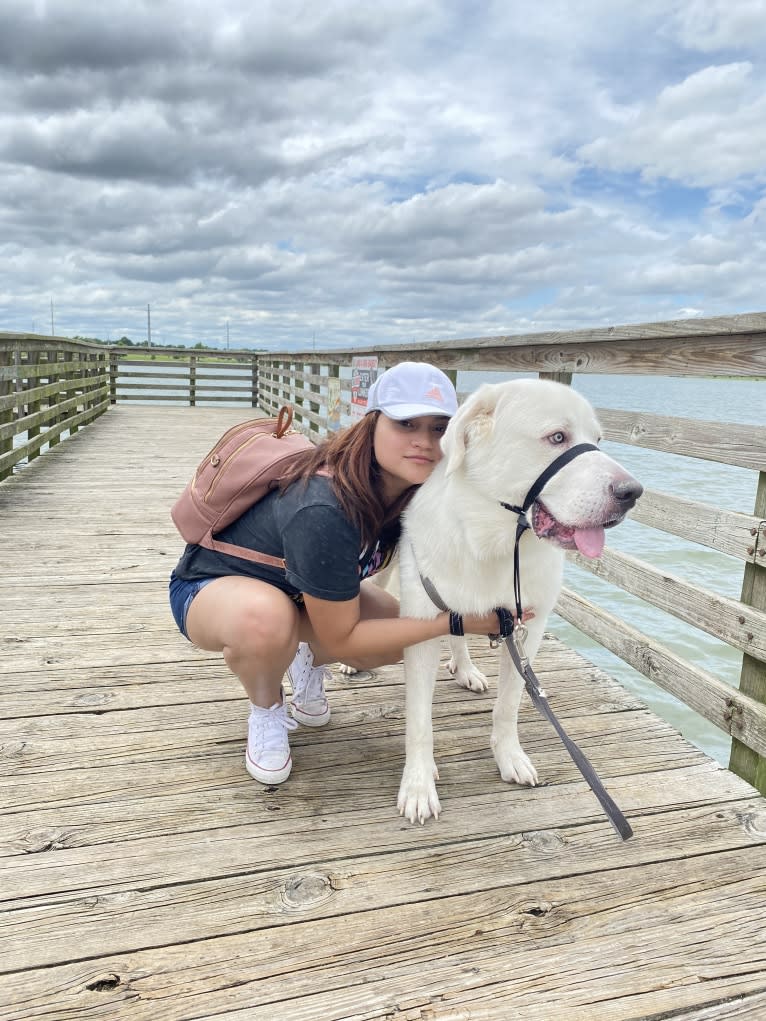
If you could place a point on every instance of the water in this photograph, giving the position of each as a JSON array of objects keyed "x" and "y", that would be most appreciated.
[{"x": 718, "y": 484}]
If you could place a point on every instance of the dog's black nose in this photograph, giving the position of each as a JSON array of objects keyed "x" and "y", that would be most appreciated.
[{"x": 627, "y": 491}]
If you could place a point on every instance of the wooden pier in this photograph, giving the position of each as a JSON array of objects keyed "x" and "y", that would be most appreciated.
[{"x": 144, "y": 875}]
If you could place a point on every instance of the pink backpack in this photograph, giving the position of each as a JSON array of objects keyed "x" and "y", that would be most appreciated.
[{"x": 244, "y": 465}]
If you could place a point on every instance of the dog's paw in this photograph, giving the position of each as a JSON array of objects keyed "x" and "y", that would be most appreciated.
[
  {"x": 468, "y": 676},
  {"x": 514, "y": 764},
  {"x": 344, "y": 668},
  {"x": 418, "y": 799}
]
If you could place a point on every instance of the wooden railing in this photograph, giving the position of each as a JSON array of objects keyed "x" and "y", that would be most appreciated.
[
  {"x": 180, "y": 375},
  {"x": 49, "y": 387},
  {"x": 318, "y": 385},
  {"x": 730, "y": 346}
]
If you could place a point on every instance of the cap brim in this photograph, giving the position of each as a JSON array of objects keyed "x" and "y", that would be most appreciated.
[{"x": 401, "y": 411}]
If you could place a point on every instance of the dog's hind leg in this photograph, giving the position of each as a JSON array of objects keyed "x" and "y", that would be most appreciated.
[
  {"x": 462, "y": 668},
  {"x": 513, "y": 762},
  {"x": 418, "y": 799}
]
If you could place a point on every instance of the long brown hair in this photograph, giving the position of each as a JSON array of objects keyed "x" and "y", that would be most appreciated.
[{"x": 348, "y": 457}]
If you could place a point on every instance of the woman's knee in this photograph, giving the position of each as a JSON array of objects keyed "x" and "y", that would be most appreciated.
[
  {"x": 375, "y": 602},
  {"x": 241, "y": 614},
  {"x": 262, "y": 624}
]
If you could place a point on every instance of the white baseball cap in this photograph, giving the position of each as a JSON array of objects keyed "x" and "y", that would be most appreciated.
[{"x": 410, "y": 389}]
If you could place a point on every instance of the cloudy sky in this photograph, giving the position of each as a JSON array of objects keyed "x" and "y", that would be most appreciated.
[{"x": 340, "y": 172}]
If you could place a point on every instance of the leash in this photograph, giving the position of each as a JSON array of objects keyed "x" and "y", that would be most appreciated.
[
  {"x": 515, "y": 645},
  {"x": 514, "y": 634}
]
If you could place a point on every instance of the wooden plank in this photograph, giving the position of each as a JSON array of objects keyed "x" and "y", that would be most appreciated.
[
  {"x": 736, "y": 623},
  {"x": 742, "y": 357},
  {"x": 162, "y": 732},
  {"x": 41, "y": 929},
  {"x": 726, "y": 442},
  {"x": 678, "y": 342},
  {"x": 29, "y": 370},
  {"x": 730, "y": 710},
  {"x": 479, "y": 949},
  {"x": 156, "y": 383},
  {"x": 50, "y": 436},
  {"x": 53, "y": 413},
  {"x": 179, "y": 398},
  {"x": 7, "y": 403},
  {"x": 752, "y": 680},
  {"x": 20, "y": 398},
  {"x": 156, "y": 879},
  {"x": 726, "y": 531}
]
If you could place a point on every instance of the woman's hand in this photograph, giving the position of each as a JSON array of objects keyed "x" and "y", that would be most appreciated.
[{"x": 488, "y": 623}]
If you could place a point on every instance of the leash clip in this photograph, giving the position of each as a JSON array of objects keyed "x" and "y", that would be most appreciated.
[{"x": 519, "y": 639}]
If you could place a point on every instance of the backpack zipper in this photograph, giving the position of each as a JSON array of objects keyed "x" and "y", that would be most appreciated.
[{"x": 223, "y": 466}]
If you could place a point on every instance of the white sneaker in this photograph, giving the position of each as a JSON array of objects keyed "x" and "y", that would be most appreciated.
[
  {"x": 267, "y": 758},
  {"x": 309, "y": 704}
]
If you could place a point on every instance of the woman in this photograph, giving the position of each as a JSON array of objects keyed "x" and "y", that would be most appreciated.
[{"x": 335, "y": 521}]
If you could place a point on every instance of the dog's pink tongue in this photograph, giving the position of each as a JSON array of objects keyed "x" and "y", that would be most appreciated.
[{"x": 589, "y": 541}]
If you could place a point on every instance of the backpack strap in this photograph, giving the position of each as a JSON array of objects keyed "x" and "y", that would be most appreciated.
[{"x": 242, "y": 552}]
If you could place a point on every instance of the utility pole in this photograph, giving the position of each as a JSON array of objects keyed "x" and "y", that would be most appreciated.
[
  {"x": 149, "y": 325},
  {"x": 227, "y": 334},
  {"x": 53, "y": 332}
]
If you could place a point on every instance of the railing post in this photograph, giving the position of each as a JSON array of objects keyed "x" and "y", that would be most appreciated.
[
  {"x": 6, "y": 414},
  {"x": 104, "y": 369},
  {"x": 744, "y": 761},
  {"x": 254, "y": 381},
  {"x": 557, "y": 377},
  {"x": 192, "y": 381},
  {"x": 312, "y": 368},
  {"x": 113, "y": 369},
  {"x": 33, "y": 359},
  {"x": 54, "y": 433},
  {"x": 17, "y": 381},
  {"x": 334, "y": 407},
  {"x": 76, "y": 357}
]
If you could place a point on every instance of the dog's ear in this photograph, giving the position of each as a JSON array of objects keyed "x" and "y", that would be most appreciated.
[{"x": 472, "y": 421}]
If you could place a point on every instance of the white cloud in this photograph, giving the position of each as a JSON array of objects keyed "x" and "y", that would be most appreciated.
[
  {"x": 407, "y": 171},
  {"x": 710, "y": 25},
  {"x": 705, "y": 131}
]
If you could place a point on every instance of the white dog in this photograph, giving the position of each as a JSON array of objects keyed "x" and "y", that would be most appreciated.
[{"x": 459, "y": 536}]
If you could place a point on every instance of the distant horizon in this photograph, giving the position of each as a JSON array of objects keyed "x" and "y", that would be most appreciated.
[{"x": 685, "y": 327}]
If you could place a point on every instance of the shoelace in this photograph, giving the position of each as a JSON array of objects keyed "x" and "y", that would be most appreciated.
[
  {"x": 313, "y": 690},
  {"x": 271, "y": 725}
]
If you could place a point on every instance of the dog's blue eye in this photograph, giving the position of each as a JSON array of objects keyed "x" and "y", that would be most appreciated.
[{"x": 557, "y": 438}]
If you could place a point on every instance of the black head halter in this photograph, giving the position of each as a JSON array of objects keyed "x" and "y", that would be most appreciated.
[{"x": 535, "y": 489}]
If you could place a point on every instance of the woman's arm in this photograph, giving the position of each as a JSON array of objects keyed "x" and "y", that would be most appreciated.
[{"x": 344, "y": 634}]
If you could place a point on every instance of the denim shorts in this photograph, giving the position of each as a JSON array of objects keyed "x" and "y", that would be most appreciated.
[{"x": 181, "y": 595}]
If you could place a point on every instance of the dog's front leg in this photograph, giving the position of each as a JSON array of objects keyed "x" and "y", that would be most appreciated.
[
  {"x": 417, "y": 793},
  {"x": 513, "y": 762}
]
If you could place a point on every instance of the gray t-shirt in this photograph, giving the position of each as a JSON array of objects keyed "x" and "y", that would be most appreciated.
[{"x": 307, "y": 528}]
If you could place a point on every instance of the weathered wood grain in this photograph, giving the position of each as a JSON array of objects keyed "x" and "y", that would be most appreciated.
[
  {"x": 736, "y": 623},
  {"x": 726, "y": 531},
  {"x": 726, "y": 707},
  {"x": 728, "y": 443},
  {"x": 605, "y": 941},
  {"x": 144, "y": 875}
]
